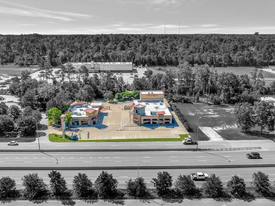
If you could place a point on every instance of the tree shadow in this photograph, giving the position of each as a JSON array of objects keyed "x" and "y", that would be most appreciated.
[
  {"x": 41, "y": 134},
  {"x": 43, "y": 127},
  {"x": 247, "y": 197},
  {"x": 225, "y": 197},
  {"x": 14, "y": 195},
  {"x": 66, "y": 198}
]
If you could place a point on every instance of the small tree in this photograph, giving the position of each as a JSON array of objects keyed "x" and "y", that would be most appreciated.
[
  {"x": 108, "y": 95},
  {"x": 213, "y": 187},
  {"x": 68, "y": 118},
  {"x": 6, "y": 124},
  {"x": 35, "y": 188},
  {"x": 54, "y": 115},
  {"x": 163, "y": 183},
  {"x": 14, "y": 111},
  {"x": 106, "y": 186},
  {"x": 27, "y": 125},
  {"x": 236, "y": 186},
  {"x": 261, "y": 182},
  {"x": 27, "y": 111},
  {"x": 82, "y": 185},
  {"x": 3, "y": 108},
  {"x": 36, "y": 115},
  {"x": 58, "y": 183},
  {"x": 186, "y": 185},
  {"x": 137, "y": 188},
  {"x": 7, "y": 187},
  {"x": 118, "y": 96}
]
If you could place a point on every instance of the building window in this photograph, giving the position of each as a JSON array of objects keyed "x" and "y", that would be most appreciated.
[
  {"x": 84, "y": 122},
  {"x": 75, "y": 122}
]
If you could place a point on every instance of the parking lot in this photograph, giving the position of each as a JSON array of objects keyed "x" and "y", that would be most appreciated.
[{"x": 116, "y": 123}]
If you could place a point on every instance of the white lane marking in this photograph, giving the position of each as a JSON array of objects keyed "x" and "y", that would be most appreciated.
[
  {"x": 146, "y": 157},
  {"x": 200, "y": 156},
  {"x": 91, "y": 157},
  {"x": 81, "y": 157},
  {"x": 174, "y": 160},
  {"x": 173, "y": 156},
  {"x": 202, "y": 160},
  {"x": 232, "y": 160}
]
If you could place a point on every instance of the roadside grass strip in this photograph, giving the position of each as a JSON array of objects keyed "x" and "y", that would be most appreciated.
[{"x": 59, "y": 138}]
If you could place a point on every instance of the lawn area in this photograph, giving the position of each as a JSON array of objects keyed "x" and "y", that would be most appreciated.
[
  {"x": 13, "y": 70},
  {"x": 221, "y": 118},
  {"x": 58, "y": 138}
]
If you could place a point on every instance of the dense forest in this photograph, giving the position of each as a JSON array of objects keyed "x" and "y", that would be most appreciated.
[{"x": 154, "y": 49}]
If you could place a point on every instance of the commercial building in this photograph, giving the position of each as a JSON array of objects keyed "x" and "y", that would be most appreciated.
[
  {"x": 151, "y": 109},
  {"x": 105, "y": 66},
  {"x": 83, "y": 114}
]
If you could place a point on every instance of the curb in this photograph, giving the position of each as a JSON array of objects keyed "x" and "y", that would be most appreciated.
[
  {"x": 132, "y": 150},
  {"x": 140, "y": 167}
]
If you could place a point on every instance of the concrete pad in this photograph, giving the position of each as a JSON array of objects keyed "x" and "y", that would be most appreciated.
[{"x": 211, "y": 133}]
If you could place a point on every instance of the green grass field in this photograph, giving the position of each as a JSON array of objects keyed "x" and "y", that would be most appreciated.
[
  {"x": 221, "y": 118},
  {"x": 58, "y": 138},
  {"x": 13, "y": 70}
]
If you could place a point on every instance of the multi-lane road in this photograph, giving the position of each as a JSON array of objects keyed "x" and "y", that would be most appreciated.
[{"x": 120, "y": 160}]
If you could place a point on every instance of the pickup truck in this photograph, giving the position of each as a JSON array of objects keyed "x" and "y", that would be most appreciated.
[{"x": 199, "y": 176}]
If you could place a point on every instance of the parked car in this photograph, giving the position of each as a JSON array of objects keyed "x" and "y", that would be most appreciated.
[
  {"x": 13, "y": 143},
  {"x": 199, "y": 176},
  {"x": 253, "y": 155},
  {"x": 189, "y": 141}
]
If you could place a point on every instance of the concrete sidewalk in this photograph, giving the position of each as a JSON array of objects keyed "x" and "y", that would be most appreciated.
[{"x": 155, "y": 202}]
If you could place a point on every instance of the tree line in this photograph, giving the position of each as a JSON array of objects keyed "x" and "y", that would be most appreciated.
[
  {"x": 14, "y": 122},
  {"x": 141, "y": 49},
  {"x": 106, "y": 187}
]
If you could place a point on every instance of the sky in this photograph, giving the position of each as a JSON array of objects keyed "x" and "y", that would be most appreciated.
[{"x": 137, "y": 16}]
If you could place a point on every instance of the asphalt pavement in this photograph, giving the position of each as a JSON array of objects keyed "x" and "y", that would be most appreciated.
[{"x": 130, "y": 160}]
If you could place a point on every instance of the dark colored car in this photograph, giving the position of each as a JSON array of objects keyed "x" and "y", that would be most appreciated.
[{"x": 253, "y": 155}]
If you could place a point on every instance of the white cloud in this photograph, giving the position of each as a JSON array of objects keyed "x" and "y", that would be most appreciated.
[
  {"x": 28, "y": 11},
  {"x": 129, "y": 29},
  {"x": 209, "y": 25},
  {"x": 169, "y": 26}
]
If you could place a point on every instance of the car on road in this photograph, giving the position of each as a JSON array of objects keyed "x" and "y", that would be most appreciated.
[
  {"x": 199, "y": 176},
  {"x": 189, "y": 141},
  {"x": 253, "y": 155},
  {"x": 13, "y": 143}
]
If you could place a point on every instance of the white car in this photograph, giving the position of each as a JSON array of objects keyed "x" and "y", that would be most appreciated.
[
  {"x": 13, "y": 143},
  {"x": 199, "y": 176}
]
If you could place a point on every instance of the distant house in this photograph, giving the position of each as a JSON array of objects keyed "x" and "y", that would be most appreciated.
[
  {"x": 151, "y": 109},
  {"x": 83, "y": 114}
]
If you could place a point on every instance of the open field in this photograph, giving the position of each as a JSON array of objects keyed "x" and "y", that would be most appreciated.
[
  {"x": 220, "y": 118},
  {"x": 13, "y": 70}
]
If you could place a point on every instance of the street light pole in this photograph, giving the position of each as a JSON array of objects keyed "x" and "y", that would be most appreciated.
[
  {"x": 138, "y": 165},
  {"x": 198, "y": 133},
  {"x": 36, "y": 134}
]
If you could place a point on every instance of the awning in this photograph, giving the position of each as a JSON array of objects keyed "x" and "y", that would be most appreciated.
[
  {"x": 94, "y": 118},
  {"x": 135, "y": 119}
]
